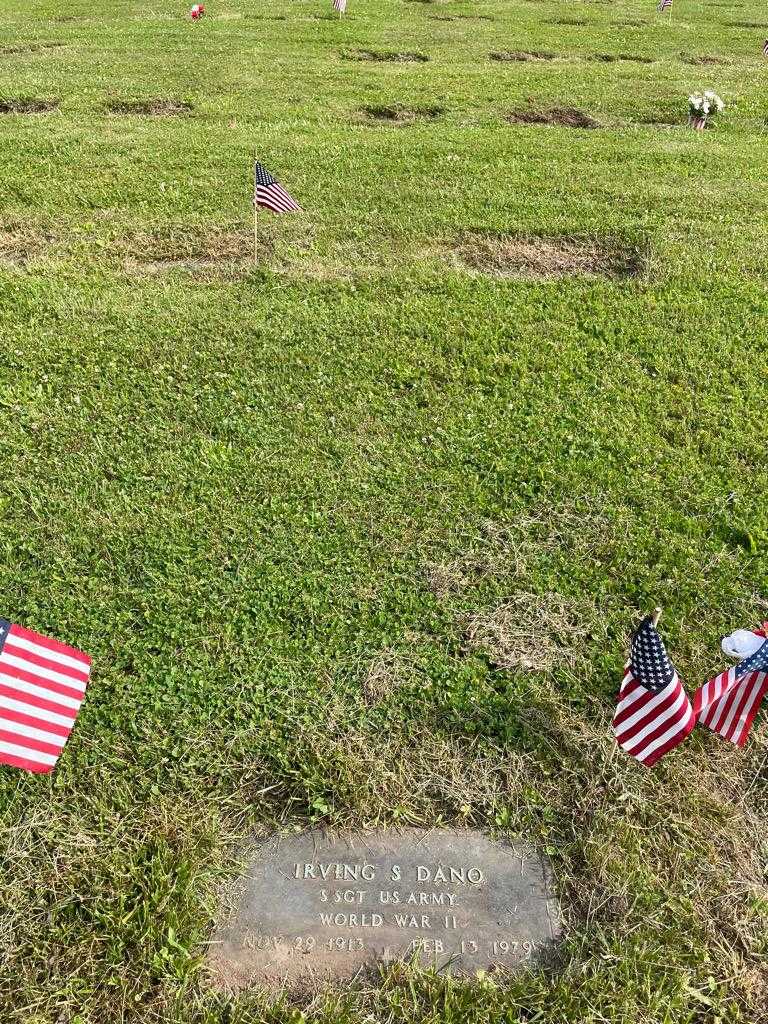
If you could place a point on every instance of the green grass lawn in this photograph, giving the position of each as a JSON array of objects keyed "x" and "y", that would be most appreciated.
[{"x": 356, "y": 537}]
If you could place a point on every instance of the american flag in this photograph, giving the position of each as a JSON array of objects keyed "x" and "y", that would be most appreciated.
[
  {"x": 270, "y": 193},
  {"x": 653, "y": 713},
  {"x": 728, "y": 703},
  {"x": 340, "y": 6},
  {"x": 765, "y": 48},
  {"x": 664, "y": 5},
  {"x": 42, "y": 685}
]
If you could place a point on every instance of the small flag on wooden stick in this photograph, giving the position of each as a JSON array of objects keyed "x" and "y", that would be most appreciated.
[
  {"x": 42, "y": 685},
  {"x": 340, "y": 6},
  {"x": 765, "y": 48},
  {"x": 664, "y": 5},
  {"x": 653, "y": 712},
  {"x": 269, "y": 193}
]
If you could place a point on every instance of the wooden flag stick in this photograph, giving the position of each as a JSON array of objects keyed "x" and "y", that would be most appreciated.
[
  {"x": 656, "y": 616},
  {"x": 255, "y": 232}
]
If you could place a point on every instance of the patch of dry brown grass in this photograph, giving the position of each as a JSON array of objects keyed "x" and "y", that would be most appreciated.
[
  {"x": 162, "y": 107},
  {"x": 532, "y": 632},
  {"x": 21, "y": 243},
  {"x": 388, "y": 56},
  {"x": 398, "y": 114},
  {"x": 383, "y": 675},
  {"x": 509, "y": 551},
  {"x": 564, "y": 117},
  {"x": 521, "y": 55},
  {"x": 705, "y": 60},
  {"x": 28, "y": 48},
  {"x": 549, "y": 257},
  {"x": 27, "y": 105},
  {"x": 612, "y": 58}
]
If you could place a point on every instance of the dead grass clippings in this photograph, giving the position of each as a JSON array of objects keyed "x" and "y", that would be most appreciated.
[
  {"x": 387, "y": 56},
  {"x": 150, "y": 108},
  {"x": 564, "y": 117},
  {"x": 507, "y": 553},
  {"x": 213, "y": 252},
  {"x": 20, "y": 244},
  {"x": 27, "y": 105},
  {"x": 397, "y": 114},
  {"x": 522, "y": 55},
  {"x": 705, "y": 60},
  {"x": 550, "y": 257},
  {"x": 384, "y": 674},
  {"x": 462, "y": 17},
  {"x": 611, "y": 58},
  {"x": 530, "y": 632},
  {"x": 201, "y": 251},
  {"x": 28, "y": 48}
]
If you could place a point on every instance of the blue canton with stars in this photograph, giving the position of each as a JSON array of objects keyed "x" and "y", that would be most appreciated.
[
  {"x": 4, "y": 628},
  {"x": 757, "y": 662},
  {"x": 650, "y": 663}
]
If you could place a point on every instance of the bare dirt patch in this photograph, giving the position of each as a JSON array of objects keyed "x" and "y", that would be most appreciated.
[
  {"x": 150, "y": 108},
  {"x": 522, "y": 55},
  {"x": 387, "y": 56},
  {"x": 566, "y": 117},
  {"x": 397, "y": 114},
  {"x": 550, "y": 257},
  {"x": 705, "y": 59},
  {"x": 25, "y": 105},
  {"x": 532, "y": 632},
  {"x": 611, "y": 58}
]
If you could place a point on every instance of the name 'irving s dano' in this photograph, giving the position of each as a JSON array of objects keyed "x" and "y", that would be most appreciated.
[{"x": 394, "y": 872}]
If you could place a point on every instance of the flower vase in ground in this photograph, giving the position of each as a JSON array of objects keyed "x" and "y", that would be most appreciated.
[{"x": 702, "y": 106}]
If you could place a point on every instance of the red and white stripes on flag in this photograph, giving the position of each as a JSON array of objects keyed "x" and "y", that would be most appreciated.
[
  {"x": 765, "y": 48},
  {"x": 269, "y": 193},
  {"x": 42, "y": 685},
  {"x": 729, "y": 703},
  {"x": 340, "y": 6},
  {"x": 648, "y": 725},
  {"x": 664, "y": 5},
  {"x": 653, "y": 713}
]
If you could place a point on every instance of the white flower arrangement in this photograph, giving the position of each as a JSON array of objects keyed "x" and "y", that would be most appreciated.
[{"x": 702, "y": 106}]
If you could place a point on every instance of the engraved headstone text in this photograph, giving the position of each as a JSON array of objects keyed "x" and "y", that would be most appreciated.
[{"x": 316, "y": 907}]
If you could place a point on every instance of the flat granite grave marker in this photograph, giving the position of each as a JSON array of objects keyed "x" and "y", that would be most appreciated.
[{"x": 316, "y": 907}]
